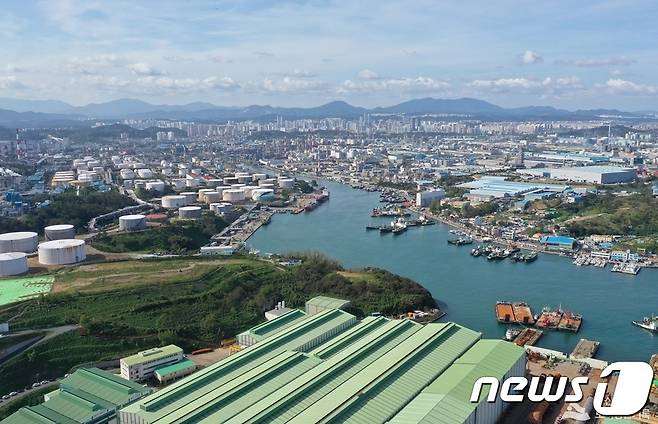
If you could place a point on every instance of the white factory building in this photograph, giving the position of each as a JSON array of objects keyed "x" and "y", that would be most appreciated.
[
  {"x": 585, "y": 174},
  {"x": 141, "y": 365},
  {"x": 425, "y": 198}
]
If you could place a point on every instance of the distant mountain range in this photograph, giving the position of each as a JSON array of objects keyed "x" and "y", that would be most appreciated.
[{"x": 17, "y": 112}]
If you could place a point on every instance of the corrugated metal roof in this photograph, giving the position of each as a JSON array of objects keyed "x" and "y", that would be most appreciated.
[
  {"x": 451, "y": 391},
  {"x": 327, "y": 302},
  {"x": 174, "y": 368},
  {"x": 271, "y": 327},
  {"x": 167, "y": 404}
]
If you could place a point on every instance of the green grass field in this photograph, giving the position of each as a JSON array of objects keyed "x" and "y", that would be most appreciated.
[{"x": 15, "y": 289}]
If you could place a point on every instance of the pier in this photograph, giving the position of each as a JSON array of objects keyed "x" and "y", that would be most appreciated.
[{"x": 585, "y": 349}]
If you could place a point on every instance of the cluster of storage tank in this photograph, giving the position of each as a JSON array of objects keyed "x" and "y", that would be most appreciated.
[{"x": 59, "y": 248}]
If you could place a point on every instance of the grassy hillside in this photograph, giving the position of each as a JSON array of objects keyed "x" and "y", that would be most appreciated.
[{"x": 126, "y": 306}]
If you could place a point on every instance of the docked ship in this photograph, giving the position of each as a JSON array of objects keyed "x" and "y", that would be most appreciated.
[
  {"x": 461, "y": 241},
  {"x": 647, "y": 323}
]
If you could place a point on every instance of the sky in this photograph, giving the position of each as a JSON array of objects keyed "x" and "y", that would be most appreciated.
[{"x": 568, "y": 54}]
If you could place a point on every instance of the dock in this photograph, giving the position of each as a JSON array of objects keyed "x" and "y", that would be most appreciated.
[
  {"x": 505, "y": 312},
  {"x": 528, "y": 337},
  {"x": 585, "y": 349}
]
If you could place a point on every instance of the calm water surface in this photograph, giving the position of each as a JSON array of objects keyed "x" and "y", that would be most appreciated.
[{"x": 469, "y": 287}]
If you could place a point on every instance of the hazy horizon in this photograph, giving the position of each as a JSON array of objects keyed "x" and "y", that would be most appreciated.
[{"x": 299, "y": 53}]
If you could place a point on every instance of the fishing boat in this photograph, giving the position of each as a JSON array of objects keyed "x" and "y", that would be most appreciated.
[
  {"x": 461, "y": 241},
  {"x": 511, "y": 334},
  {"x": 650, "y": 324},
  {"x": 476, "y": 251}
]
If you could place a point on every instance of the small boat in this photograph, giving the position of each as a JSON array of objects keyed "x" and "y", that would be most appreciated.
[
  {"x": 511, "y": 334},
  {"x": 650, "y": 324},
  {"x": 476, "y": 251},
  {"x": 461, "y": 241}
]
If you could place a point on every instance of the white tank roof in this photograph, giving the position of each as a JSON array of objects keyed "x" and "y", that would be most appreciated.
[
  {"x": 19, "y": 235},
  {"x": 61, "y": 244},
  {"x": 59, "y": 227},
  {"x": 132, "y": 217},
  {"x": 11, "y": 256}
]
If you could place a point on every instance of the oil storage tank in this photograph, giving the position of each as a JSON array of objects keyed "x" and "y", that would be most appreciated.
[
  {"x": 62, "y": 252},
  {"x": 59, "y": 232},
  {"x": 13, "y": 263},
  {"x": 190, "y": 212},
  {"x": 25, "y": 242},
  {"x": 190, "y": 196},
  {"x": 233, "y": 195},
  {"x": 132, "y": 222},
  {"x": 173, "y": 202},
  {"x": 286, "y": 182}
]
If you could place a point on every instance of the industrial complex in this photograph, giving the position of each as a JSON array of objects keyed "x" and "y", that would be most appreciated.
[{"x": 329, "y": 367}]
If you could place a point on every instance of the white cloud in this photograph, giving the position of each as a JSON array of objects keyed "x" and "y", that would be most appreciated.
[
  {"x": 92, "y": 65},
  {"x": 417, "y": 84},
  {"x": 530, "y": 57},
  {"x": 10, "y": 82},
  {"x": 186, "y": 84},
  {"x": 291, "y": 84},
  {"x": 219, "y": 58},
  {"x": 12, "y": 68},
  {"x": 367, "y": 74},
  {"x": 590, "y": 63},
  {"x": 620, "y": 86},
  {"x": 547, "y": 85},
  {"x": 144, "y": 69}
]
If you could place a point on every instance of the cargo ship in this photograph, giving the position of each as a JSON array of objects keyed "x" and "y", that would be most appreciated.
[{"x": 650, "y": 324}]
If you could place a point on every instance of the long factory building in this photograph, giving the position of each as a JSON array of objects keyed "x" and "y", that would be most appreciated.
[{"x": 329, "y": 367}]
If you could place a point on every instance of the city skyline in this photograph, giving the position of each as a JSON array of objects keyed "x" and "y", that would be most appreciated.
[{"x": 308, "y": 53}]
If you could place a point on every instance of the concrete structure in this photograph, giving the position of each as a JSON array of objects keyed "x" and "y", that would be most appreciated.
[
  {"x": 132, "y": 222},
  {"x": 127, "y": 174},
  {"x": 178, "y": 183},
  {"x": 62, "y": 252},
  {"x": 88, "y": 396},
  {"x": 13, "y": 263},
  {"x": 174, "y": 202},
  {"x": 586, "y": 174},
  {"x": 141, "y": 365},
  {"x": 25, "y": 242},
  {"x": 329, "y": 368},
  {"x": 323, "y": 303},
  {"x": 425, "y": 198},
  {"x": 175, "y": 371},
  {"x": 189, "y": 212},
  {"x": 59, "y": 232}
]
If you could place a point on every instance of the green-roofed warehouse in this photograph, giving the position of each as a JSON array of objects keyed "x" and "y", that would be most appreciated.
[
  {"x": 322, "y": 303},
  {"x": 330, "y": 368},
  {"x": 268, "y": 328},
  {"x": 88, "y": 396}
]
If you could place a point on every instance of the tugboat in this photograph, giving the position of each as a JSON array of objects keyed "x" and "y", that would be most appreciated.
[
  {"x": 650, "y": 324},
  {"x": 511, "y": 334},
  {"x": 399, "y": 226}
]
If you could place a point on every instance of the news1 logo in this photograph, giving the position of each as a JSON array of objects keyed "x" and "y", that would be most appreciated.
[{"x": 630, "y": 395}]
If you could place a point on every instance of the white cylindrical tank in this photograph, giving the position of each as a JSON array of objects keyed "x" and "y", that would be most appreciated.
[
  {"x": 267, "y": 181},
  {"x": 191, "y": 182},
  {"x": 286, "y": 182},
  {"x": 137, "y": 165},
  {"x": 201, "y": 196},
  {"x": 25, "y": 242},
  {"x": 214, "y": 182},
  {"x": 158, "y": 186},
  {"x": 237, "y": 186},
  {"x": 59, "y": 232},
  {"x": 230, "y": 180},
  {"x": 173, "y": 202},
  {"x": 212, "y": 197},
  {"x": 145, "y": 173},
  {"x": 258, "y": 177},
  {"x": 190, "y": 212},
  {"x": 178, "y": 183},
  {"x": 62, "y": 252},
  {"x": 132, "y": 222},
  {"x": 244, "y": 178},
  {"x": 13, "y": 263},
  {"x": 262, "y": 194},
  {"x": 190, "y": 197},
  {"x": 248, "y": 190},
  {"x": 220, "y": 189},
  {"x": 233, "y": 195},
  {"x": 267, "y": 185}
]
